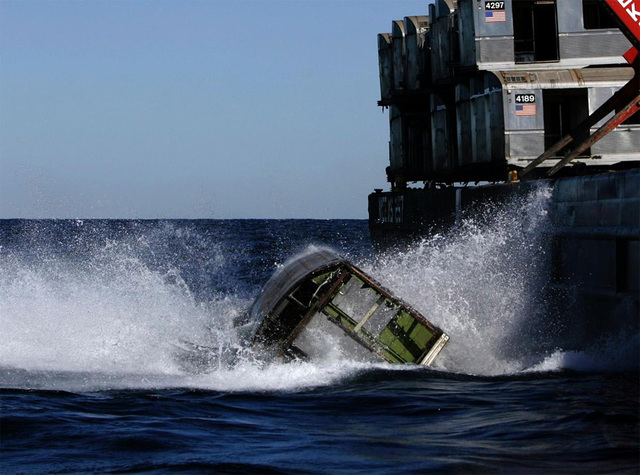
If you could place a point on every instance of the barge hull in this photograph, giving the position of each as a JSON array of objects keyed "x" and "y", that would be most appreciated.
[{"x": 593, "y": 242}]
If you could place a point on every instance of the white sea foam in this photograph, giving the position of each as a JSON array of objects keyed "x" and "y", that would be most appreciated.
[
  {"x": 619, "y": 352},
  {"x": 109, "y": 314},
  {"x": 477, "y": 283},
  {"x": 113, "y": 321}
]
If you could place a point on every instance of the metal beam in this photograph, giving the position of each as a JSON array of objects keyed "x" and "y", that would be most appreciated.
[
  {"x": 630, "y": 109},
  {"x": 615, "y": 101},
  {"x": 628, "y": 14}
]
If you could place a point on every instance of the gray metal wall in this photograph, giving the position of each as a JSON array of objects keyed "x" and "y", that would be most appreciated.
[
  {"x": 448, "y": 89},
  {"x": 596, "y": 253},
  {"x": 593, "y": 247},
  {"x": 385, "y": 65},
  {"x": 464, "y": 125},
  {"x": 439, "y": 33},
  {"x": 525, "y": 134},
  {"x": 398, "y": 48},
  {"x": 493, "y": 42},
  {"x": 418, "y": 56},
  {"x": 440, "y": 136},
  {"x": 576, "y": 43},
  {"x": 395, "y": 143}
]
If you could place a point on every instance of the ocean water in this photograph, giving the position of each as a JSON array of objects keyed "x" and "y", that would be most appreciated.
[{"x": 92, "y": 313}]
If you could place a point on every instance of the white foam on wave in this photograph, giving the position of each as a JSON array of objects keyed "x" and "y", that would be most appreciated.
[
  {"x": 484, "y": 284},
  {"x": 477, "y": 283},
  {"x": 619, "y": 353},
  {"x": 292, "y": 376},
  {"x": 243, "y": 377},
  {"x": 113, "y": 322},
  {"x": 111, "y": 313}
]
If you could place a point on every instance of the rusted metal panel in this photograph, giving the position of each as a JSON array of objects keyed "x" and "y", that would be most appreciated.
[
  {"x": 604, "y": 77},
  {"x": 515, "y": 80}
]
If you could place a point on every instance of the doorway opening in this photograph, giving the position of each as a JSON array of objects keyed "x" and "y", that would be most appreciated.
[
  {"x": 563, "y": 111},
  {"x": 535, "y": 31}
]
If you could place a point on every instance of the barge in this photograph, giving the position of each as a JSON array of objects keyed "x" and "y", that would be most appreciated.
[{"x": 486, "y": 100}]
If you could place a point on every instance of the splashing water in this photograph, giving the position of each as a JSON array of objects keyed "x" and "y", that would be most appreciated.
[
  {"x": 484, "y": 284},
  {"x": 97, "y": 312},
  {"x": 113, "y": 315},
  {"x": 477, "y": 283}
]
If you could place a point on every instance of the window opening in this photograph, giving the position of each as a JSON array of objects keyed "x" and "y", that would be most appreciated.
[
  {"x": 563, "y": 111},
  {"x": 535, "y": 31},
  {"x": 355, "y": 299},
  {"x": 596, "y": 15}
]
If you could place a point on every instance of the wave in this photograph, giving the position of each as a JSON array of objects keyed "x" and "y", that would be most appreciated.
[{"x": 113, "y": 316}]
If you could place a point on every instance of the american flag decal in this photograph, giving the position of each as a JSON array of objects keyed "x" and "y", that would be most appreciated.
[
  {"x": 495, "y": 16},
  {"x": 525, "y": 109}
]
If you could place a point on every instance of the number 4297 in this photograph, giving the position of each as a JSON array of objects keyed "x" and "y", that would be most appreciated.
[{"x": 494, "y": 5}]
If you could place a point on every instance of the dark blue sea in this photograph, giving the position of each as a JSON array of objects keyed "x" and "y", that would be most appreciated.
[{"x": 92, "y": 310}]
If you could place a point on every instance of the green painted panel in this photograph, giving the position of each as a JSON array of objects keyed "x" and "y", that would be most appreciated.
[
  {"x": 331, "y": 311},
  {"x": 388, "y": 339},
  {"x": 339, "y": 316},
  {"x": 392, "y": 357},
  {"x": 421, "y": 336},
  {"x": 404, "y": 320}
]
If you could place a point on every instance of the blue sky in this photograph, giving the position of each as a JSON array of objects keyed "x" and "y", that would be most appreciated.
[{"x": 191, "y": 108}]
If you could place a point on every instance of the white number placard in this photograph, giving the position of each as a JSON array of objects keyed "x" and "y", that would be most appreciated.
[
  {"x": 525, "y": 98},
  {"x": 493, "y": 6}
]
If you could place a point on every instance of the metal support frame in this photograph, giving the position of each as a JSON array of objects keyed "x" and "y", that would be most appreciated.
[
  {"x": 626, "y": 100},
  {"x": 619, "y": 99},
  {"x": 630, "y": 109},
  {"x": 582, "y": 130}
]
